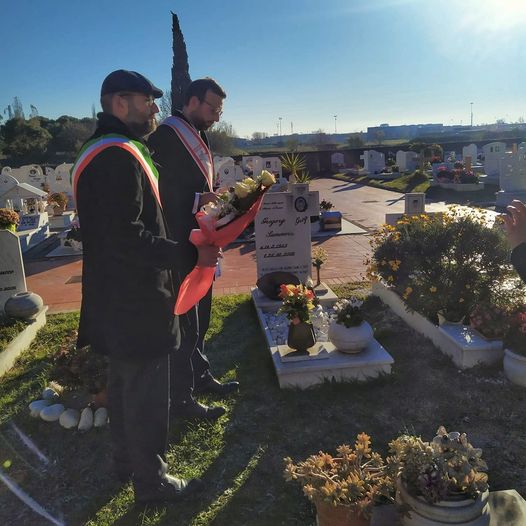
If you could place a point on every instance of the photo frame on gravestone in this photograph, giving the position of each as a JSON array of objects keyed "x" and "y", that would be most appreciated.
[{"x": 300, "y": 204}]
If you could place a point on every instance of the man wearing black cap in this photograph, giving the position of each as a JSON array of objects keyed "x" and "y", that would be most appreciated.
[
  {"x": 127, "y": 291},
  {"x": 180, "y": 147}
]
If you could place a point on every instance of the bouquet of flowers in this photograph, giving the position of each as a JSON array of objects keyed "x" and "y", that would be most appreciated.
[
  {"x": 515, "y": 338},
  {"x": 349, "y": 312},
  {"x": 298, "y": 301},
  {"x": 219, "y": 224},
  {"x": 237, "y": 200},
  {"x": 9, "y": 219}
]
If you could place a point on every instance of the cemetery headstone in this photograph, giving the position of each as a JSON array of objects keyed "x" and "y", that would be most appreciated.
[
  {"x": 512, "y": 178},
  {"x": 273, "y": 165},
  {"x": 12, "y": 276},
  {"x": 415, "y": 203},
  {"x": 283, "y": 231},
  {"x": 471, "y": 151},
  {"x": 373, "y": 161},
  {"x": 407, "y": 161}
]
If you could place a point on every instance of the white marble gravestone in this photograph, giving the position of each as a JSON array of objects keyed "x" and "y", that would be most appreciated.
[
  {"x": 470, "y": 151},
  {"x": 12, "y": 276},
  {"x": 512, "y": 178},
  {"x": 373, "y": 161},
  {"x": 225, "y": 170},
  {"x": 252, "y": 165},
  {"x": 273, "y": 165},
  {"x": 283, "y": 231},
  {"x": 59, "y": 179},
  {"x": 493, "y": 155},
  {"x": 30, "y": 174},
  {"x": 407, "y": 161}
]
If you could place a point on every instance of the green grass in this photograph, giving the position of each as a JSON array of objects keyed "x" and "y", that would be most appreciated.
[
  {"x": 414, "y": 182},
  {"x": 240, "y": 457},
  {"x": 9, "y": 329}
]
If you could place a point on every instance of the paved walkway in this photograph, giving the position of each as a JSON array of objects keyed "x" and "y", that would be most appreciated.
[{"x": 57, "y": 280}]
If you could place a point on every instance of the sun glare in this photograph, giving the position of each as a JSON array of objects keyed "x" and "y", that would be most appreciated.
[{"x": 482, "y": 16}]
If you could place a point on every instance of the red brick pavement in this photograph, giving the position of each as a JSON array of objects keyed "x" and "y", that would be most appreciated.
[{"x": 363, "y": 205}]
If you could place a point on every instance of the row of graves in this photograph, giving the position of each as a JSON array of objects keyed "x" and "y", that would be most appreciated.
[{"x": 43, "y": 200}]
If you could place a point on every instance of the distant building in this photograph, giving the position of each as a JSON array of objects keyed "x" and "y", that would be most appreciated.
[{"x": 404, "y": 131}]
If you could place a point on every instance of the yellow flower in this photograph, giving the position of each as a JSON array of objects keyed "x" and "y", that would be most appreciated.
[
  {"x": 461, "y": 300},
  {"x": 432, "y": 289},
  {"x": 241, "y": 189},
  {"x": 267, "y": 179}
]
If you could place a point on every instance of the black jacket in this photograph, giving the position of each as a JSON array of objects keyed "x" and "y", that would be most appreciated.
[
  {"x": 127, "y": 293},
  {"x": 179, "y": 180},
  {"x": 518, "y": 259}
]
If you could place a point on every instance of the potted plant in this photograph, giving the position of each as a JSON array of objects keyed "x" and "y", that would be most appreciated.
[
  {"x": 9, "y": 219},
  {"x": 515, "y": 348},
  {"x": 295, "y": 164},
  {"x": 348, "y": 331},
  {"x": 345, "y": 487},
  {"x": 442, "y": 481},
  {"x": 58, "y": 200},
  {"x": 298, "y": 301}
]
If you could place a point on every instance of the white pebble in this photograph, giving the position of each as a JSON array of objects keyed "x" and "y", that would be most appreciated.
[
  {"x": 86, "y": 419},
  {"x": 37, "y": 406},
  {"x": 101, "y": 417},
  {"x": 69, "y": 418},
  {"x": 52, "y": 412}
]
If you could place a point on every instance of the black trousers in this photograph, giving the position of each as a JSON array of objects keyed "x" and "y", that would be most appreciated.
[
  {"x": 138, "y": 393},
  {"x": 189, "y": 367}
]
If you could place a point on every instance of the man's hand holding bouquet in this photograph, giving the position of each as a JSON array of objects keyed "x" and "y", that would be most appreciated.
[{"x": 220, "y": 223}]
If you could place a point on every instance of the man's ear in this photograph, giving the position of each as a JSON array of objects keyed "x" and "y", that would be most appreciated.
[
  {"x": 119, "y": 106},
  {"x": 193, "y": 103}
]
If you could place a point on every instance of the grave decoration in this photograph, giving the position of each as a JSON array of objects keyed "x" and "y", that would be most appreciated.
[
  {"x": 59, "y": 201},
  {"x": 219, "y": 224},
  {"x": 446, "y": 262},
  {"x": 319, "y": 257},
  {"x": 346, "y": 487},
  {"x": 445, "y": 477},
  {"x": 458, "y": 175},
  {"x": 295, "y": 164},
  {"x": 9, "y": 219},
  {"x": 348, "y": 331},
  {"x": 297, "y": 302},
  {"x": 76, "y": 397}
]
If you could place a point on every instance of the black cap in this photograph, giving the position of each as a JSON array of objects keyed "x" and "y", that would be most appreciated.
[{"x": 124, "y": 80}]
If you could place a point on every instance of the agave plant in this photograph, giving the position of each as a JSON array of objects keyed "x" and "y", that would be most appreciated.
[{"x": 295, "y": 164}]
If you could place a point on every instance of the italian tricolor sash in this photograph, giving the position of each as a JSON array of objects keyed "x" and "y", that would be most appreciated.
[
  {"x": 195, "y": 145},
  {"x": 135, "y": 148}
]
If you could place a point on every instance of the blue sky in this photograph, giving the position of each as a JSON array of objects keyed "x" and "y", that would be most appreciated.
[{"x": 366, "y": 61}]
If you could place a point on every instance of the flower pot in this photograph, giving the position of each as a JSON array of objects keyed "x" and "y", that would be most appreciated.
[
  {"x": 515, "y": 367},
  {"x": 461, "y": 510},
  {"x": 23, "y": 305},
  {"x": 350, "y": 339},
  {"x": 442, "y": 320},
  {"x": 329, "y": 515},
  {"x": 301, "y": 336}
]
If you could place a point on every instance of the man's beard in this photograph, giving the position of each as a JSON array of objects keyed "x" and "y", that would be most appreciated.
[
  {"x": 199, "y": 124},
  {"x": 143, "y": 128}
]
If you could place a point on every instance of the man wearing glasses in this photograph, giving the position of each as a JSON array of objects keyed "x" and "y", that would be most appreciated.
[
  {"x": 180, "y": 148},
  {"x": 127, "y": 290}
]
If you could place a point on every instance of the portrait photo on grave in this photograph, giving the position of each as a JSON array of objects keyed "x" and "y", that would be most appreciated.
[{"x": 300, "y": 204}]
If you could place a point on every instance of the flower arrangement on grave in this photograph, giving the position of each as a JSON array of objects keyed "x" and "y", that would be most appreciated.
[
  {"x": 297, "y": 302},
  {"x": 447, "y": 262},
  {"x": 326, "y": 205},
  {"x": 351, "y": 482},
  {"x": 319, "y": 256},
  {"x": 59, "y": 200},
  {"x": 9, "y": 219},
  {"x": 348, "y": 312},
  {"x": 219, "y": 224},
  {"x": 515, "y": 337},
  {"x": 435, "y": 159},
  {"x": 490, "y": 320},
  {"x": 348, "y": 331},
  {"x": 447, "y": 466},
  {"x": 458, "y": 174}
]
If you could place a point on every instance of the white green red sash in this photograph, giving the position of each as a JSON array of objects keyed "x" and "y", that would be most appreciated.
[
  {"x": 135, "y": 148},
  {"x": 195, "y": 145}
]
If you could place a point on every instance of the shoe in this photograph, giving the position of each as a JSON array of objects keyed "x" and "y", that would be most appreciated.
[
  {"x": 195, "y": 409},
  {"x": 216, "y": 387},
  {"x": 172, "y": 489}
]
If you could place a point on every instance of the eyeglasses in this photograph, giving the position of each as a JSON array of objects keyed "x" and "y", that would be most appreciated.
[
  {"x": 149, "y": 101},
  {"x": 215, "y": 111}
]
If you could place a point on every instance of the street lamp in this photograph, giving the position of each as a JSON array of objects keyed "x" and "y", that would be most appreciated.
[
  {"x": 335, "y": 117},
  {"x": 471, "y": 105},
  {"x": 280, "y": 125}
]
